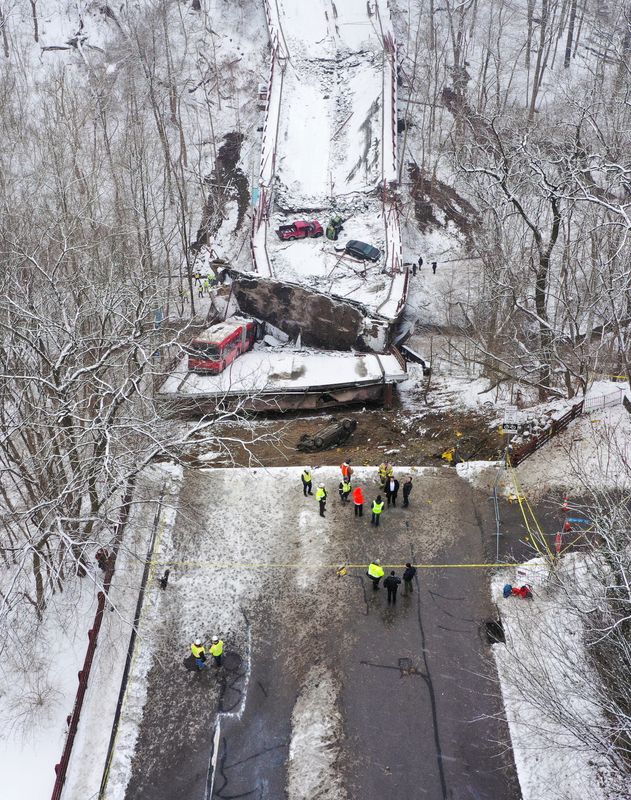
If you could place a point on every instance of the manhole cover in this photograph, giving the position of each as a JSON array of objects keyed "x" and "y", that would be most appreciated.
[{"x": 494, "y": 631}]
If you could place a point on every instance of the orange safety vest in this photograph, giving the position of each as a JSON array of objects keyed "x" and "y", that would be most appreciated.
[
  {"x": 358, "y": 496},
  {"x": 346, "y": 470}
]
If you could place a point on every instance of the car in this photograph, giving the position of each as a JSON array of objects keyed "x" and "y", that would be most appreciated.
[
  {"x": 336, "y": 432},
  {"x": 363, "y": 251},
  {"x": 301, "y": 229}
]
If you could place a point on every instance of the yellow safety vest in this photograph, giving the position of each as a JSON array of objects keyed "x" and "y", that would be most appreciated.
[
  {"x": 320, "y": 494},
  {"x": 382, "y": 471},
  {"x": 377, "y": 508},
  {"x": 216, "y": 649},
  {"x": 375, "y": 571},
  {"x": 346, "y": 487},
  {"x": 306, "y": 476},
  {"x": 390, "y": 472},
  {"x": 197, "y": 650}
]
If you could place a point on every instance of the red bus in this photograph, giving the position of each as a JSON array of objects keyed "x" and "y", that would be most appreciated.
[{"x": 220, "y": 344}]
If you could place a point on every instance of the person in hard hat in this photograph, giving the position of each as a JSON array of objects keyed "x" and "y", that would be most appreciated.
[
  {"x": 216, "y": 650},
  {"x": 347, "y": 470},
  {"x": 307, "y": 485},
  {"x": 392, "y": 490},
  {"x": 321, "y": 498},
  {"x": 345, "y": 490},
  {"x": 377, "y": 508},
  {"x": 199, "y": 653},
  {"x": 358, "y": 501},
  {"x": 392, "y": 584},
  {"x": 389, "y": 470},
  {"x": 375, "y": 573}
]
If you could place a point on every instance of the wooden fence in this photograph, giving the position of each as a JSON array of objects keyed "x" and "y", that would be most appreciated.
[{"x": 519, "y": 454}]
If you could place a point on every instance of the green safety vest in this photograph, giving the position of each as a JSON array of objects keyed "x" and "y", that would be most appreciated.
[
  {"x": 346, "y": 487},
  {"x": 306, "y": 476},
  {"x": 217, "y": 648},
  {"x": 197, "y": 650},
  {"x": 377, "y": 508},
  {"x": 320, "y": 494},
  {"x": 375, "y": 571}
]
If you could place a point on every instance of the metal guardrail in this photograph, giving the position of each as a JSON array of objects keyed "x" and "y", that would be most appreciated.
[{"x": 604, "y": 400}]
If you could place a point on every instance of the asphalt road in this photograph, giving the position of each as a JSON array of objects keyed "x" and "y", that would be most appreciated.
[{"x": 416, "y": 685}]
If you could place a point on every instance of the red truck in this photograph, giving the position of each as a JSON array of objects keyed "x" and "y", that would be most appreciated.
[
  {"x": 218, "y": 346},
  {"x": 300, "y": 230}
]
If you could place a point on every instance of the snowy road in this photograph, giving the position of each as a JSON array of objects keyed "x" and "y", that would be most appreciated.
[{"x": 329, "y": 693}]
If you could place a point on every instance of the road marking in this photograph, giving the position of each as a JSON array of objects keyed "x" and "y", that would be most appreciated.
[{"x": 336, "y": 566}]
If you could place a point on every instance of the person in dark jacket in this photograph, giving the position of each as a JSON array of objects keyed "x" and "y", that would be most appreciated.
[
  {"x": 392, "y": 584},
  {"x": 392, "y": 489},
  {"x": 407, "y": 488},
  {"x": 408, "y": 576}
]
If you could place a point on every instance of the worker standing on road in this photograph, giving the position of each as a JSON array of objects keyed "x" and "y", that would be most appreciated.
[
  {"x": 407, "y": 488},
  {"x": 358, "y": 501},
  {"x": 383, "y": 470},
  {"x": 392, "y": 489},
  {"x": 321, "y": 498},
  {"x": 307, "y": 485},
  {"x": 389, "y": 470},
  {"x": 375, "y": 573},
  {"x": 199, "y": 653},
  {"x": 347, "y": 470},
  {"x": 377, "y": 508},
  {"x": 345, "y": 490},
  {"x": 392, "y": 584},
  {"x": 434, "y": 265},
  {"x": 408, "y": 576},
  {"x": 216, "y": 650}
]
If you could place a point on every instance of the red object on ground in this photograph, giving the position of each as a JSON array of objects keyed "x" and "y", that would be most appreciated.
[
  {"x": 218, "y": 346},
  {"x": 567, "y": 528},
  {"x": 301, "y": 229},
  {"x": 557, "y": 543}
]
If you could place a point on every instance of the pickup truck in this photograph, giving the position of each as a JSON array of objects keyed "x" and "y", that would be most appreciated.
[{"x": 300, "y": 230}]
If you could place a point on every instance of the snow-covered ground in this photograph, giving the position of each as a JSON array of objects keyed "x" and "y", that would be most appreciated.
[
  {"x": 39, "y": 682},
  {"x": 549, "y": 689}
]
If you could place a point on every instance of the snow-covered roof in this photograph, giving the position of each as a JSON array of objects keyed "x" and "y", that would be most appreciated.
[{"x": 219, "y": 331}]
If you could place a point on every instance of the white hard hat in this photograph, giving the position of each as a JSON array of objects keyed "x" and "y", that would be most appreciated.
[
  {"x": 215, "y": 638},
  {"x": 198, "y": 642},
  {"x": 377, "y": 561}
]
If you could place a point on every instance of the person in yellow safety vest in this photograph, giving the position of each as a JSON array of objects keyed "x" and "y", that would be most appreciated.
[
  {"x": 389, "y": 471},
  {"x": 321, "y": 498},
  {"x": 345, "y": 490},
  {"x": 199, "y": 653},
  {"x": 383, "y": 468},
  {"x": 307, "y": 486},
  {"x": 216, "y": 650},
  {"x": 375, "y": 573},
  {"x": 377, "y": 508}
]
